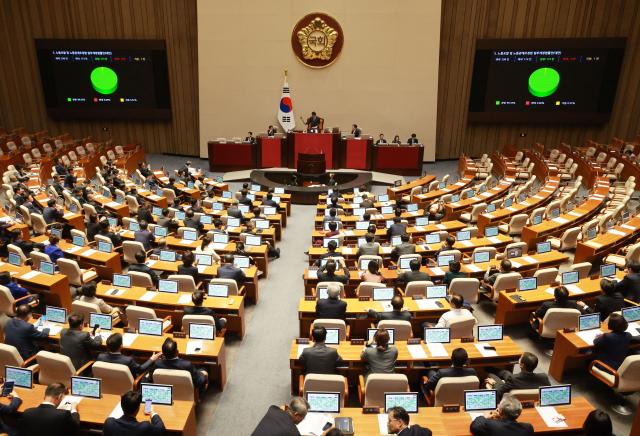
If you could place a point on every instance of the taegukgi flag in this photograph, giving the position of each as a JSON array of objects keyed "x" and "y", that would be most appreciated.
[{"x": 285, "y": 108}]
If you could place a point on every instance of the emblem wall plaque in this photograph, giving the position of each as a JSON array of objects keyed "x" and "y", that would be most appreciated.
[{"x": 317, "y": 40}]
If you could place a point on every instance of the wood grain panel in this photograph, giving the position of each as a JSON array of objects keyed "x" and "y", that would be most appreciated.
[
  {"x": 21, "y": 97},
  {"x": 464, "y": 21}
]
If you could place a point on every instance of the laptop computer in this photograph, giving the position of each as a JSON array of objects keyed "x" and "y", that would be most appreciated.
[
  {"x": 158, "y": 394},
  {"x": 407, "y": 400},
  {"x": 492, "y": 332},
  {"x": 202, "y": 331},
  {"x": 86, "y": 387},
  {"x": 558, "y": 395},
  {"x": 480, "y": 400},
  {"x": 323, "y": 402}
]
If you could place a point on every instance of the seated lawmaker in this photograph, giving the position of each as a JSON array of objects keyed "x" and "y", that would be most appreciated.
[
  {"x": 398, "y": 228},
  {"x": 372, "y": 273},
  {"x": 77, "y": 344},
  {"x": 370, "y": 247},
  {"x": 629, "y": 286},
  {"x": 453, "y": 273},
  {"x": 413, "y": 275},
  {"x": 47, "y": 418},
  {"x": 197, "y": 298},
  {"x": 329, "y": 274},
  {"x": 170, "y": 360},
  {"x": 561, "y": 301},
  {"x": 229, "y": 271},
  {"x": 379, "y": 356},
  {"x": 458, "y": 368},
  {"x": 356, "y": 131},
  {"x": 88, "y": 295},
  {"x": 141, "y": 266},
  {"x": 320, "y": 359},
  {"x": 405, "y": 247},
  {"x": 502, "y": 421},
  {"x": 381, "y": 139},
  {"x": 457, "y": 311},
  {"x": 397, "y": 314},
  {"x": 413, "y": 139},
  {"x": 19, "y": 332},
  {"x": 331, "y": 307},
  {"x": 128, "y": 424},
  {"x": 114, "y": 355},
  {"x": 612, "y": 348},
  {"x": 505, "y": 381},
  {"x": 610, "y": 301},
  {"x": 144, "y": 236},
  {"x": 16, "y": 290}
]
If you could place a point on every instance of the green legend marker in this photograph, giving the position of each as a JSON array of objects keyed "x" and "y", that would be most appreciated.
[
  {"x": 543, "y": 82},
  {"x": 104, "y": 80}
]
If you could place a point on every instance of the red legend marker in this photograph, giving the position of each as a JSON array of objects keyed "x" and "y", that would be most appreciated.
[
  {"x": 95, "y": 100},
  {"x": 527, "y": 103}
]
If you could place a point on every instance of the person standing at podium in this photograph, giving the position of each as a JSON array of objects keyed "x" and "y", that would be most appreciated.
[
  {"x": 413, "y": 139},
  {"x": 271, "y": 131},
  {"x": 356, "y": 131},
  {"x": 313, "y": 123},
  {"x": 381, "y": 140}
]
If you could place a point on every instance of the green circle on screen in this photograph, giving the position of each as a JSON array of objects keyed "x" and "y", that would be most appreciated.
[
  {"x": 543, "y": 82},
  {"x": 104, "y": 80}
]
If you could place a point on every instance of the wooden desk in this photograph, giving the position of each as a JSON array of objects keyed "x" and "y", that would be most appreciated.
[
  {"x": 122, "y": 210},
  {"x": 508, "y": 352},
  {"x": 398, "y": 191},
  {"x": 455, "y": 209},
  {"x": 87, "y": 256},
  {"x": 357, "y": 314},
  {"x": 457, "y": 424},
  {"x": 54, "y": 288},
  {"x": 424, "y": 200},
  {"x": 231, "y": 308},
  {"x": 179, "y": 418},
  {"x": 608, "y": 242},
  {"x": 351, "y": 236}
]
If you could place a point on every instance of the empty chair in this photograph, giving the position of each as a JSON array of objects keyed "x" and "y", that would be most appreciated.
[
  {"x": 450, "y": 390},
  {"x": 372, "y": 392},
  {"x": 339, "y": 324},
  {"x": 462, "y": 327},
  {"x": 37, "y": 257},
  {"x": 187, "y": 320},
  {"x": 536, "y": 216},
  {"x": 457, "y": 254},
  {"x": 186, "y": 283},
  {"x": 81, "y": 151},
  {"x": 546, "y": 276},
  {"x": 632, "y": 256},
  {"x": 417, "y": 288},
  {"x": 416, "y": 190},
  {"x": 493, "y": 252},
  {"x": 39, "y": 224},
  {"x": 183, "y": 389},
  {"x": 8, "y": 303},
  {"x": 46, "y": 147},
  {"x": 141, "y": 279},
  {"x": 85, "y": 309},
  {"x": 57, "y": 368},
  {"x": 472, "y": 216},
  {"x": 11, "y": 248},
  {"x": 76, "y": 275},
  {"x": 169, "y": 194},
  {"x": 467, "y": 288},
  {"x": 506, "y": 281},
  {"x": 116, "y": 378},
  {"x": 626, "y": 379},
  {"x": 403, "y": 330},
  {"x": 90, "y": 147},
  {"x": 111, "y": 155},
  {"x": 9, "y": 355},
  {"x": 515, "y": 226},
  {"x": 583, "y": 268},
  {"x": 326, "y": 383},
  {"x": 133, "y": 204},
  {"x": 567, "y": 241}
]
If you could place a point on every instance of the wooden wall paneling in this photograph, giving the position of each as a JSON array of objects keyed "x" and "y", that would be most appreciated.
[
  {"x": 21, "y": 99},
  {"x": 463, "y": 22}
]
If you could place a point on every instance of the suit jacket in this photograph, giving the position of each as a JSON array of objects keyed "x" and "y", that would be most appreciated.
[
  {"x": 146, "y": 237},
  {"x": 332, "y": 309},
  {"x": 190, "y": 271},
  {"x": 326, "y": 277},
  {"x": 482, "y": 426},
  {"x": 447, "y": 372},
  {"x": 145, "y": 215},
  {"x": 403, "y": 248},
  {"x": 235, "y": 212},
  {"x": 228, "y": 271},
  {"x": 276, "y": 422},
  {"x": 245, "y": 200},
  {"x": 413, "y": 276},
  {"x": 522, "y": 380},
  {"x": 367, "y": 203},
  {"x": 92, "y": 230},
  {"x": 46, "y": 419},
  {"x": 141, "y": 267},
  {"x": 182, "y": 364},
  {"x": 612, "y": 348},
  {"x": 164, "y": 221},
  {"x": 629, "y": 286},
  {"x": 605, "y": 305},
  {"x": 78, "y": 345},
  {"x": 415, "y": 430},
  {"x": 542, "y": 310},
  {"x": 320, "y": 359},
  {"x": 381, "y": 141},
  {"x": 22, "y": 335},
  {"x": 128, "y": 425},
  {"x": 271, "y": 203},
  {"x": 50, "y": 214},
  {"x": 356, "y": 132},
  {"x": 394, "y": 315},
  {"x": 193, "y": 223},
  {"x": 413, "y": 141},
  {"x": 369, "y": 248},
  {"x": 397, "y": 229},
  {"x": 128, "y": 361}
]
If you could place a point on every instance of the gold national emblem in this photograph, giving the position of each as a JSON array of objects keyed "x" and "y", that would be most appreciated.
[{"x": 317, "y": 40}]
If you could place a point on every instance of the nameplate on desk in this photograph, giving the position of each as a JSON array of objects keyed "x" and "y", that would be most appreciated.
[
  {"x": 450, "y": 408},
  {"x": 302, "y": 341},
  {"x": 30, "y": 275},
  {"x": 528, "y": 404},
  {"x": 363, "y": 299},
  {"x": 357, "y": 341},
  {"x": 370, "y": 410},
  {"x": 467, "y": 340},
  {"x": 89, "y": 252},
  {"x": 179, "y": 335}
]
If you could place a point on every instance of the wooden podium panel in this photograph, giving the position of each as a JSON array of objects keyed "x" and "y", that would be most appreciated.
[
  {"x": 398, "y": 159},
  {"x": 270, "y": 151},
  {"x": 314, "y": 143},
  {"x": 357, "y": 152},
  {"x": 231, "y": 156}
]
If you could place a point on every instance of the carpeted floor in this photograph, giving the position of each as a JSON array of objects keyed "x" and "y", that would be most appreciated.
[{"x": 258, "y": 367}]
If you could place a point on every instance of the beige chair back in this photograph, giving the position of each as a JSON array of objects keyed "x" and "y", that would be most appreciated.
[
  {"x": 369, "y": 257},
  {"x": 129, "y": 250},
  {"x": 326, "y": 383},
  {"x": 332, "y": 324},
  {"x": 17, "y": 250},
  {"x": 331, "y": 284},
  {"x": 506, "y": 281},
  {"x": 558, "y": 319},
  {"x": 10, "y": 356},
  {"x": 76, "y": 232},
  {"x": 417, "y": 288},
  {"x": 7, "y": 302},
  {"x": 133, "y": 204},
  {"x": 467, "y": 288},
  {"x": 629, "y": 374},
  {"x": 450, "y": 390},
  {"x": 569, "y": 239},
  {"x": 54, "y": 368},
  {"x": 187, "y": 320},
  {"x": 38, "y": 223},
  {"x": 491, "y": 250},
  {"x": 457, "y": 254},
  {"x": 365, "y": 289},
  {"x": 185, "y": 282},
  {"x": 546, "y": 276},
  {"x": 134, "y": 313},
  {"x": 169, "y": 194},
  {"x": 403, "y": 330},
  {"x": 526, "y": 394},
  {"x": 462, "y": 327},
  {"x": 231, "y": 285},
  {"x": 70, "y": 268},
  {"x": 116, "y": 378},
  {"x": 378, "y": 384},
  {"x": 37, "y": 257},
  {"x": 180, "y": 380},
  {"x": 517, "y": 223},
  {"x": 85, "y": 309},
  {"x": 141, "y": 279},
  {"x": 583, "y": 268}
]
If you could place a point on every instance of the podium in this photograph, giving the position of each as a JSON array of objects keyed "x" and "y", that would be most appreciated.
[
  {"x": 311, "y": 164},
  {"x": 314, "y": 143},
  {"x": 231, "y": 156},
  {"x": 357, "y": 152},
  {"x": 403, "y": 159},
  {"x": 271, "y": 151}
]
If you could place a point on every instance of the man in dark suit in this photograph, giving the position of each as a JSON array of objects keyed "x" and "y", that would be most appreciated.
[
  {"x": 191, "y": 221},
  {"x": 144, "y": 235},
  {"x": 397, "y": 314},
  {"x": 629, "y": 286},
  {"x": 198, "y": 298},
  {"x": 313, "y": 123},
  {"x": 47, "y": 419},
  {"x": 9, "y": 409},
  {"x": 398, "y": 423},
  {"x": 128, "y": 424},
  {"x": 114, "y": 355},
  {"x": 250, "y": 138},
  {"x": 105, "y": 231},
  {"x": 51, "y": 214},
  {"x": 20, "y": 333},
  {"x": 332, "y": 246},
  {"x": 414, "y": 274},
  {"x": 413, "y": 139},
  {"x": 356, "y": 131},
  {"x": 610, "y": 301},
  {"x": 60, "y": 168},
  {"x": 502, "y": 421},
  {"x": 235, "y": 212},
  {"x": 228, "y": 271},
  {"x": 271, "y": 131},
  {"x": 398, "y": 228},
  {"x": 269, "y": 201},
  {"x": 164, "y": 220},
  {"x": 367, "y": 202},
  {"x": 332, "y": 307},
  {"x": 141, "y": 266},
  {"x": 561, "y": 301},
  {"x": 370, "y": 247},
  {"x": 405, "y": 247},
  {"x": 328, "y": 274},
  {"x": 381, "y": 140},
  {"x": 505, "y": 381},
  {"x": 244, "y": 199},
  {"x": 278, "y": 422},
  {"x": 459, "y": 360},
  {"x": 170, "y": 360},
  {"x": 320, "y": 359},
  {"x": 76, "y": 344}
]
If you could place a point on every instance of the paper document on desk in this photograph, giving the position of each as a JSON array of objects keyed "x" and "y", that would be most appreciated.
[
  {"x": 473, "y": 268},
  {"x": 485, "y": 353},
  {"x": 113, "y": 204},
  {"x": 128, "y": 339},
  {"x": 441, "y": 226},
  {"x": 437, "y": 350},
  {"x": 437, "y": 271},
  {"x": 539, "y": 197},
  {"x": 68, "y": 215},
  {"x": 89, "y": 252},
  {"x": 515, "y": 264},
  {"x": 313, "y": 423},
  {"x": 54, "y": 329},
  {"x": 419, "y": 228},
  {"x": 466, "y": 243},
  {"x": 574, "y": 289},
  {"x": 150, "y": 262},
  {"x": 574, "y": 213},
  {"x": 593, "y": 244},
  {"x": 194, "y": 347},
  {"x": 116, "y": 412},
  {"x": 560, "y": 220},
  {"x": 551, "y": 417},
  {"x": 348, "y": 232},
  {"x": 633, "y": 328},
  {"x": 628, "y": 227},
  {"x": 313, "y": 273},
  {"x": 416, "y": 351},
  {"x": 494, "y": 240},
  {"x": 427, "y": 304},
  {"x": 382, "y": 424},
  {"x": 616, "y": 232},
  {"x": 73, "y": 249},
  {"x": 529, "y": 259},
  {"x": 489, "y": 215},
  {"x": 148, "y": 296},
  {"x": 301, "y": 347},
  {"x": 589, "y": 335},
  {"x": 347, "y": 250},
  {"x": 29, "y": 275},
  {"x": 68, "y": 401},
  {"x": 512, "y": 209},
  {"x": 184, "y": 299},
  {"x": 202, "y": 268}
]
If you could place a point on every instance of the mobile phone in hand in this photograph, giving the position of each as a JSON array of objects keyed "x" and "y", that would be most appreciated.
[
  {"x": 95, "y": 327},
  {"x": 147, "y": 407},
  {"x": 7, "y": 388}
]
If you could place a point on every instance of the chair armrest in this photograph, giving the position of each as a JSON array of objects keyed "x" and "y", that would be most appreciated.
[
  {"x": 400, "y": 290},
  {"x": 348, "y": 332},
  {"x": 241, "y": 290},
  {"x": 170, "y": 326},
  {"x": 85, "y": 367},
  {"x": 28, "y": 361},
  {"x": 361, "y": 389},
  {"x": 199, "y": 285},
  {"x": 138, "y": 379},
  {"x": 17, "y": 301},
  {"x": 301, "y": 385},
  {"x": 606, "y": 368}
]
